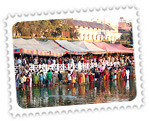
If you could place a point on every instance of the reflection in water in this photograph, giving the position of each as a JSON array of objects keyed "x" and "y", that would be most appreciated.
[{"x": 66, "y": 95}]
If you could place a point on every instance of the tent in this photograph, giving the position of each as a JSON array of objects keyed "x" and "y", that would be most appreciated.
[
  {"x": 72, "y": 48},
  {"x": 121, "y": 48},
  {"x": 53, "y": 47},
  {"x": 30, "y": 46},
  {"x": 89, "y": 46},
  {"x": 16, "y": 50},
  {"x": 35, "y": 47},
  {"x": 106, "y": 47}
]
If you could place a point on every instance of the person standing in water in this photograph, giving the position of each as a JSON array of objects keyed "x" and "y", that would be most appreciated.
[
  {"x": 91, "y": 77},
  {"x": 54, "y": 78},
  {"x": 41, "y": 78},
  {"x": 49, "y": 77},
  {"x": 83, "y": 78},
  {"x": 17, "y": 78},
  {"x": 73, "y": 81},
  {"x": 107, "y": 78},
  {"x": 44, "y": 79},
  {"x": 30, "y": 78},
  {"x": 60, "y": 77},
  {"x": 86, "y": 77},
  {"x": 127, "y": 78},
  {"x": 22, "y": 82},
  {"x": 27, "y": 82},
  {"x": 79, "y": 78},
  {"x": 123, "y": 75},
  {"x": 36, "y": 78},
  {"x": 69, "y": 77}
]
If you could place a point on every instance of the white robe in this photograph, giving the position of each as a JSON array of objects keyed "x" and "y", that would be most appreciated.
[
  {"x": 30, "y": 77},
  {"x": 127, "y": 77}
]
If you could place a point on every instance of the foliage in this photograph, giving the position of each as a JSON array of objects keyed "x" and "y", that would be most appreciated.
[
  {"x": 127, "y": 36},
  {"x": 45, "y": 28}
]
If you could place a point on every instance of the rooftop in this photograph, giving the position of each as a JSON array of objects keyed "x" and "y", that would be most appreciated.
[{"x": 90, "y": 24}]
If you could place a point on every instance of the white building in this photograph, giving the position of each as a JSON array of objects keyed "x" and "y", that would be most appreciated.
[{"x": 95, "y": 31}]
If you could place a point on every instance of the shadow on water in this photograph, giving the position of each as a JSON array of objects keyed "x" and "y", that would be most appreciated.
[{"x": 61, "y": 95}]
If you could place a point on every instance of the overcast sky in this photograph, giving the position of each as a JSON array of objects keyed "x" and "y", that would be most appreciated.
[{"x": 109, "y": 16}]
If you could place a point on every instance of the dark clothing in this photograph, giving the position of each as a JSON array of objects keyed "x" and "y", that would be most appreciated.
[
  {"x": 75, "y": 60},
  {"x": 97, "y": 75},
  {"x": 129, "y": 63},
  {"x": 46, "y": 61},
  {"x": 27, "y": 61},
  {"x": 60, "y": 77},
  {"x": 131, "y": 70},
  {"x": 23, "y": 63},
  {"x": 41, "y": 61},
  {"x": 31, "y": 60}
]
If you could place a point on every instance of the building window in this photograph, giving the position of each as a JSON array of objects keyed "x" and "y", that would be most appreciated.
[
  {"x": 107, "y": 37},
  {"x": 83, "y": 36},
  {"x": 96, "y": 37},
  {"x": 100, "y": 37},
  {"x": 115, "y": 38},
  {"x": 111, "y": 38},
  {"x": 93, "y": 37},
  {"x": 88, "y": 36}
]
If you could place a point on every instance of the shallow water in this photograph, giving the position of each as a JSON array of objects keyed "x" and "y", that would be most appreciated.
[{"x": 60, "y": 95}]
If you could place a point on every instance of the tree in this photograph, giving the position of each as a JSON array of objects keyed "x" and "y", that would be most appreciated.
[
  {"x": 130, "y": 33},
  {"x": 125, "y": 36},
  {"x": 73, "y": 31},
  {"x": 46, "y": 28}
]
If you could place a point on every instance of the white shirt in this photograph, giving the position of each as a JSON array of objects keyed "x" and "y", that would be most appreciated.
[
  {"x": 35, "y": 61},
  {"x": 54, "y": 61},
  {"x": 118, "y": 63},
  {"x": 71, "y": 71},
  {"x": 111, "y": 64},
  {"x": 103, "y": 67},
  {"x": 69, "y": 76},
  {"x": 79, "y": 66},
  {"x": 127, "y": 73},
  {"x": 19, "y": 61},
  {"x": 22, "y": 80},
  {"x": 115, "y": 64}
]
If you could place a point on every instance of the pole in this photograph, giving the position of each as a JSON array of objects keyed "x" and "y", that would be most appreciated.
[
  {"x": 21, "y": 57},
  {"x": 104, "y": 28},
  {"x": 37, "y": 54},
  {"x": 70, "y": 55}
]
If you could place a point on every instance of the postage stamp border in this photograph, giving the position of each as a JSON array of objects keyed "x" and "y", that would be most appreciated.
[{"x": 11, "y": 19}]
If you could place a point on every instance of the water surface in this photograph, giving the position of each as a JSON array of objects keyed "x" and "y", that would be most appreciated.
[{"x": 61, "y": 95}]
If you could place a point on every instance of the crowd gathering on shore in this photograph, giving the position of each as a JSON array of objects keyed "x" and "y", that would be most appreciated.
[
  {"x": 73, "y": 59},
  {"x": 113, "y": 72}
]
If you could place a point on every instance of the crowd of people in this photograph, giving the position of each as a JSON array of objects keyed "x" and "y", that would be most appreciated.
[
  {"x": 74, "y": 59},
  {"x": 112, "y": 72}
]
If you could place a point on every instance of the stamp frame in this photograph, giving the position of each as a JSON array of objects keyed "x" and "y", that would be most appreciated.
[{"x": 11, "y": 19}]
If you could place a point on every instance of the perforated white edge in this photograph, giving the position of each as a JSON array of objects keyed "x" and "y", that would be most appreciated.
[{"x": 11, "y": 19}]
